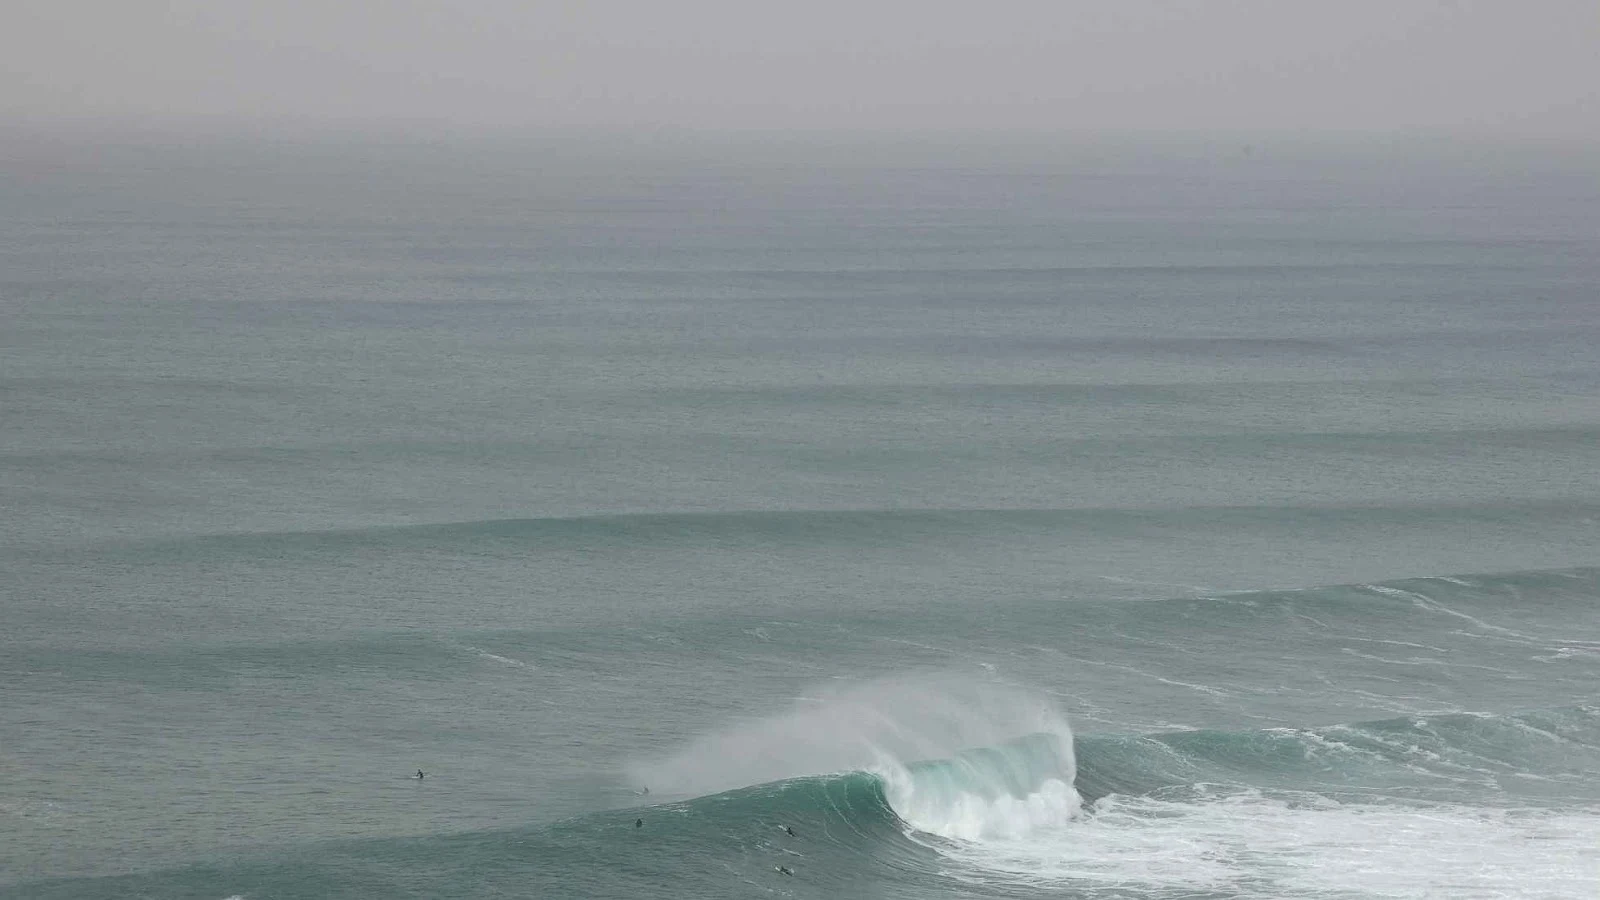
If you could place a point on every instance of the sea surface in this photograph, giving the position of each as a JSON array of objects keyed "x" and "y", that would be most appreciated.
[{"x": 744, "y": 519}]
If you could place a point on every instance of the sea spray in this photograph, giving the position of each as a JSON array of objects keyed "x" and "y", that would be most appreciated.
[{"x": 959, "y": 757}]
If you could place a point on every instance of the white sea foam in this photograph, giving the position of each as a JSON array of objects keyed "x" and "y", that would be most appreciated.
[
  {"x": 978, "y": 801},
  {"x": 1422, "y": 601},
  {"x": 1250, "y": 845}
]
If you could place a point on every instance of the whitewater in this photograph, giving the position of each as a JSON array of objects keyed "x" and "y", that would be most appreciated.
[
  {"x": 1313, "y": 812},
  {"x": 725, "y": 520}
]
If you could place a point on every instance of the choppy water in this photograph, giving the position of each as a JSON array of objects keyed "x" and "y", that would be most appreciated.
[{"x": 1202, "y": 525}]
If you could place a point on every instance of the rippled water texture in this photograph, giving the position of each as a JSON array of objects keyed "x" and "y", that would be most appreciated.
[{"x": 721, "y": 521}]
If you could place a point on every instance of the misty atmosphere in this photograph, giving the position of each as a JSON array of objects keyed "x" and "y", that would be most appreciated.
[{"x": 712, "y": 450}]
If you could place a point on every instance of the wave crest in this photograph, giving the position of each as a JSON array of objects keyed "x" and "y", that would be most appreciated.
[
  {"x": 992, "y": 792},
  {"x": 956, "y": 757}
]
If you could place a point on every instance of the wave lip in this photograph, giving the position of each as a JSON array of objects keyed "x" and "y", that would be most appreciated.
[
  {"x": 1000, "y": 792},
  {"x": 954, "y": 757}
]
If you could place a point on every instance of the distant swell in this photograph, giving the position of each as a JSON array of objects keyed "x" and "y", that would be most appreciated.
[{"x": 834, "y": 526}]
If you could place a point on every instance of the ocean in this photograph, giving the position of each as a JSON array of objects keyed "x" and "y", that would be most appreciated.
[{"x": 739, "y": 518}]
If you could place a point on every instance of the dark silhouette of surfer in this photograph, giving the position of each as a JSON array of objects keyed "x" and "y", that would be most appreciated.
[
  {"x": 784, "y": 869},
  {"x": 420, "y": 775},
  {"x": 789, "y": 831},
  {"x": 638, "y": 823}
]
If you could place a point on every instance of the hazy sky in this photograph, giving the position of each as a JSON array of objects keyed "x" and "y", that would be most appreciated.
[{"x": 1529, "y": 69}]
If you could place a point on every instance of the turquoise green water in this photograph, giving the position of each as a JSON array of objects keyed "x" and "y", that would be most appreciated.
[{"x": 1180, "y": 526}]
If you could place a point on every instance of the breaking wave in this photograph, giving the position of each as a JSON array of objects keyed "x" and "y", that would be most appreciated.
[
  {"x": 948, "y": 756},
  {"x": 1243, "y": 813}
]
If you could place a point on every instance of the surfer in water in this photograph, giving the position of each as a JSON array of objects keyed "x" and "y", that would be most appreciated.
[
  {"x": 788, "y": 830},
  {"x": 420, "y": 776},
  {"x": 783, "y": 869},
  {"x": 638, "y": 823}
]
